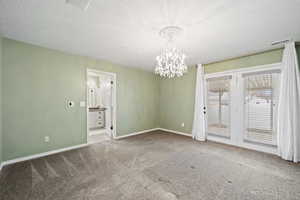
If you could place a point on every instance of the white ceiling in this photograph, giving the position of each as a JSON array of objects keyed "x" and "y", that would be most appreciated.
[{"x": 126, "y": 31}]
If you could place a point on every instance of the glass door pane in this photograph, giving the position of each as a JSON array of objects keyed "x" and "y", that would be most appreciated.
[
  {"x": 218, "y": 106},
  {"x": 260, "y": 100}
]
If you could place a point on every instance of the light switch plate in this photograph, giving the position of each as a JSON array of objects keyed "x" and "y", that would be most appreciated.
[
  {"x": 47, "y": 139},
  {"x": 82, "y": 103}
]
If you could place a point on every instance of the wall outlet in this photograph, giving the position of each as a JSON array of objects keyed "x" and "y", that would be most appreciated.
[
  {"x": 47, "y": 139},
  {"x": 182, "y": 124}
]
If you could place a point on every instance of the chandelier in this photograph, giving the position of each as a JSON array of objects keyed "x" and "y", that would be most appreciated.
[{"x": 171, "y": 61}]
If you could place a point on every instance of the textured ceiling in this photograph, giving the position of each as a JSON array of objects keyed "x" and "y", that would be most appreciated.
[{"x": 126, "y": 31}]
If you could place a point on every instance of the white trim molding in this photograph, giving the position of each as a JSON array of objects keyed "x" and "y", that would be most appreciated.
[
  {"x": 237, "y": 110},
  {"x": 21, "y": 159},
  {"x": 136, "y": 133},
  {"x": 31, "y": 157},
  {"x": 247, "y": 145},
  {"x": 114, "y": 100},
  {"x": 176, "y": 132},
  {"x": 154, "y": 129}
]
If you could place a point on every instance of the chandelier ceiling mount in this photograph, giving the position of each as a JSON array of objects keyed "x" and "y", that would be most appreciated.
[{"x": 169, "y": 32}]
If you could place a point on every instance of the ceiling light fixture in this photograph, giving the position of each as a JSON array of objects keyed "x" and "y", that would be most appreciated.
[{"x": 171, "y": 61}]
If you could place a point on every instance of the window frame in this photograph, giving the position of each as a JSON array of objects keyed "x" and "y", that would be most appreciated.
[
  {"x": 246, "y": 139},
  {"x": 237, "y": 112},
  {"x": 229, "y": 106}
]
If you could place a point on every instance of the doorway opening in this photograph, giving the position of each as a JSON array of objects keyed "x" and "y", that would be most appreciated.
[{"x": 101, "y": 106}]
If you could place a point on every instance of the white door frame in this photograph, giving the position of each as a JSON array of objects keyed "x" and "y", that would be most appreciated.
[
  {"x": 114, "y": 101},
  {"x": 235, "y": 138}
]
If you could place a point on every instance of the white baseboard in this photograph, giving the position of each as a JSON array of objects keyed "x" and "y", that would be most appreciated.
[
  {"x": 136, "y": 133},
  {"x": 21, "y": 159},
  {"x": 9, "y": 162},
  {"x": 176, "y": 132}
]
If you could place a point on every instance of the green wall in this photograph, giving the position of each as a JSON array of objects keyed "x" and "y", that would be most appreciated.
[
  {"x": 177, "y": 95},
  {"x": 177, "y": 102},
  {"x": 38, "y": 81},
  {"x": 273, "y": 56}
]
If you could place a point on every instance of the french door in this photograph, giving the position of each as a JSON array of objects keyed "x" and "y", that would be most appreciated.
[{"x": 242, "y": 107}]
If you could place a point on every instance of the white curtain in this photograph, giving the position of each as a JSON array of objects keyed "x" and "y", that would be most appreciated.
[
  {"x": 199, "y": 116},
  {"x": 288, "y": 125}
]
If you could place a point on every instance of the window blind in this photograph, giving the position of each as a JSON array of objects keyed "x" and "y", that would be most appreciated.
[{"x": 261, "y": 92}]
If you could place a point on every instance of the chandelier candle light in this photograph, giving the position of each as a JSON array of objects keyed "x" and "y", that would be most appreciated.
[{"x": 171, "y": 61}]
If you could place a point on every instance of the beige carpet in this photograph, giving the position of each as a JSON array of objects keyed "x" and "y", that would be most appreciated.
[{"x": 156, "y": 166}]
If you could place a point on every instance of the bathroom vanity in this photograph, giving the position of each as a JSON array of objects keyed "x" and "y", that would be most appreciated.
[{"x": 96, "y": 118}]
